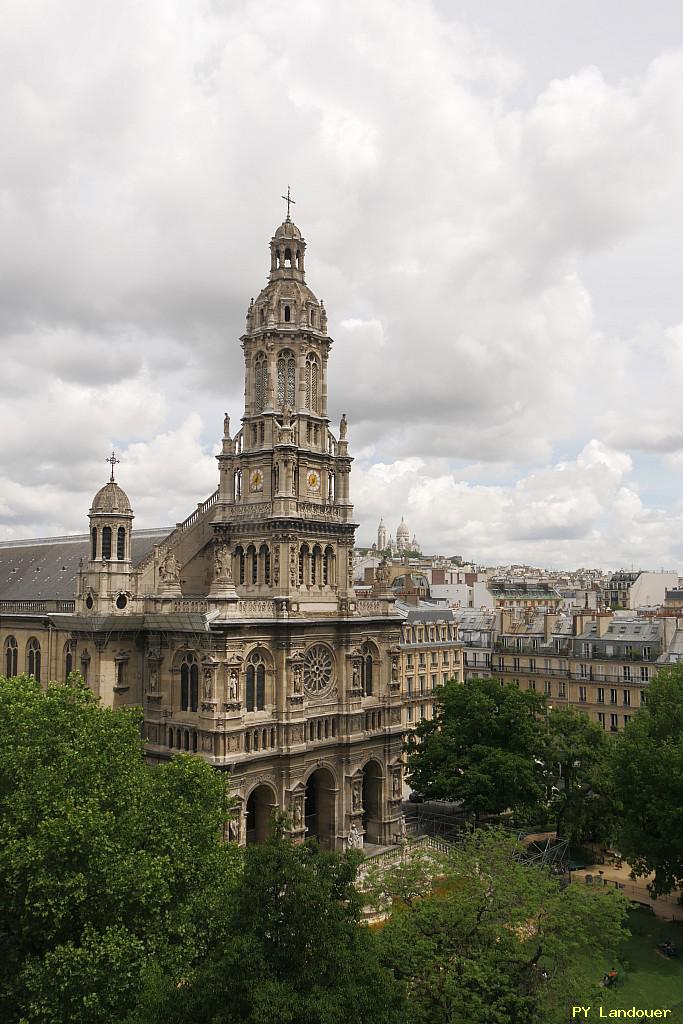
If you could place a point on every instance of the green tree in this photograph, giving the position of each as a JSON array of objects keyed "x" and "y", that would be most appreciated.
[
  {"x": 485, "y": 747},
  {"x": 105, "y": 862},
  {"x": 501, "y": 942},
  {"x": 580, "y": 769},
  {"x": 649, "y": 783},
  {"x": 293, "y": 950}
]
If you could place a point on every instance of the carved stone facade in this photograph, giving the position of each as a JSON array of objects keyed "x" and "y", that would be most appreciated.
[{"x": 240, "y": 633}]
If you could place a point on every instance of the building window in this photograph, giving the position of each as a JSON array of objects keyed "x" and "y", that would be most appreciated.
[
  {"x": 366, "y": 671},
  {"x": 11, "y": 654},
  {"x": 562, "y": 690},
  {"x": 645, "y": 674},
  {"x": 627, "y": 698},
  {"x": 627, "y": 719},
  {"x": 93, "y": 548},
  {"x": 583, "y": 671},
  {"x": 256, "y": 683},
  {"x": 33, "y": 659},
  {"x": 646, "y": 653},
  {"x": 582, "y": 694},
  {"x": 614, "y": 723},
  {"x": 410, "y": 712},
  {"x": 312, "y": 383},
  {"x": 515, "y": 664},
  {"x": 626, "y": 672},
  {"x": 531, "y": 684},
  {"x": 69, "y": 648},
  {"x": 189, "y": 683},
  {"x": 547, "y": 688},
  {"x": 286, "y": 378},
  {"x": 601, "y": 718},
  {"x": 121, "y": 543},
  {"x": 106, "y": 542},
  {"x": 260, "y": 381},
  {"x": 613, "y": 696},
  {"x": 601, "y": 695}
]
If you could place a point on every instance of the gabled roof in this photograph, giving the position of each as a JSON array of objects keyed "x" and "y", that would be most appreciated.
[{"x": 46, "y": 568}]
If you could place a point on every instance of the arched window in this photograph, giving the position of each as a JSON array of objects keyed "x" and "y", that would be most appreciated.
[
  {"x": 327, "y": 558},
  {"x": 312, "y": 382},
  {"x": 264, "y": 554},
  {"x": 262, "y": 316},
  {"x": 11, "y": 652},
  {"x": 253, "y": 563},
  {"x": 251, "y": 676},
  {"x": 194, "y": 741},
  {"x": 69, "y": 648},
  {"x": 121, "y": 543},
  {"x": 33, "y": 658},
  {"x": 260, "y": 687},
  {"x": 106, "y": 542},
  {"x": 189, "y": 683},
  {"x": 260, "y": 381},
  {"x": 256, "y": 683},
  {"x": 237, "y": 484},
  {"x": 366, "y": 671},
  {"x": 93, "y": 549},
  {"x": 288, "y": 257},
  {"x": 239, "y": 555},
  {"x": 303, "y": 558},
  {"x": 315, "y": 562},
  {"x": 286, "y": 378},
  {"x": 288, "y": 314},
  {"x": 299, "y": 261}
]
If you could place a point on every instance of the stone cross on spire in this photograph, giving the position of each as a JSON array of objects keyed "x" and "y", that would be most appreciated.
[
  {"x": 112, "y": 460},
  {"x": 288, "y": 199}
]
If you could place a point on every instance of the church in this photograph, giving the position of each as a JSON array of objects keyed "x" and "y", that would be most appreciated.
[{"x": 239, "y": 633}]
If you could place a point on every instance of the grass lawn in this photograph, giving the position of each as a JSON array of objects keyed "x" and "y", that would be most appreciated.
[{"x": 646, "y": 979}]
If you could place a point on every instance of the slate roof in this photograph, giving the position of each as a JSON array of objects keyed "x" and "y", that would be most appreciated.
[{"x": 46, "y": 569}]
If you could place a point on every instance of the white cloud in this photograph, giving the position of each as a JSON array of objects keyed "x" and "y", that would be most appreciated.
[{"x": 449, "y": 227}]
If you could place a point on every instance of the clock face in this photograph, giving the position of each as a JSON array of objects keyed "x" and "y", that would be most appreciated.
[
  {"x": 256, "y": 480},
  {"x": 313, "y": 480}
]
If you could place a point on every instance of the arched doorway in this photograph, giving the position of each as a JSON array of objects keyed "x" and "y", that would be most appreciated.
[
  {"x": 319, "y": 809},
  {"x": 372, "y": 802},
  {"x": 260, "y": 807}
]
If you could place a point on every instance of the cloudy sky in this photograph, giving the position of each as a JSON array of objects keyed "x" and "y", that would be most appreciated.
[{"x": 492, "y": 196}]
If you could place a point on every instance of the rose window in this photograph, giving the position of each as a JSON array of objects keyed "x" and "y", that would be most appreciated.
[{"x": 317, "y": 669}]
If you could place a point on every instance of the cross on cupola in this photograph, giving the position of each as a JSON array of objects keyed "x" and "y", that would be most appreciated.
[
  {"x": 288, "y": 199},
  {"x": 112, "y": 460}
]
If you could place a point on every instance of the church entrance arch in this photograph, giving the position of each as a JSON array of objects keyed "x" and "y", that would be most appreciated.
[
  {"x": 260, "y": 807},
  {"x": 319, "y": 809},
  {"x": 372, "y": 802}
]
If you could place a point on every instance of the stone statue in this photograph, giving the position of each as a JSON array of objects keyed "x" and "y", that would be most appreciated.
[
  {"x": 287, "y": 417},
  {"x": 232, "y": 685},
  {"x": 234, "y": 830},
  {"x": 382, "y": 573},
  {"x": 355, "y": 839},
  {"x": 396, "y": 785},
  {"x": 222, "y": 563},
  {"x": 226, "y": 426},
  {"x": 169, "y": 569},
  {"x": 208, "y": 684},
  {"x": 343, "y": 427},
  {"x": 298, "y": 814},
  {"x": 296, "y": 671},
  {"x": 394, "y": 668},
  {"x": 153, "y": 679},
  {"x": 355, "y": 796},
  {"x": 356, "y": 675},
  {"x": 403, "y": 831}
]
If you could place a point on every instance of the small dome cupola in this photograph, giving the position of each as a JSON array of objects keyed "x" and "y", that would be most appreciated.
[
  {"x": 111, "y": 522},
  {"x": 287, "y": 249}
]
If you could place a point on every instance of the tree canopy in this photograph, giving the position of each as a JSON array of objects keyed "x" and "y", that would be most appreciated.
[
  {"x": 580, "y": 776},
  {"x": 292, "y": 951},
  {"x": 649, "y": 783},
  {"x": 485, "y": 746},
  {"x": 104, "y": 861},
  {"x": 500, "y": 940}
]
